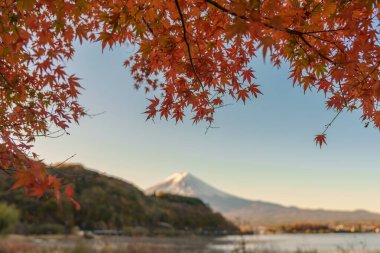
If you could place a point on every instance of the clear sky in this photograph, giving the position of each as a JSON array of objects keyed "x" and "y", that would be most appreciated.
[{"x": 263, "y": 150}]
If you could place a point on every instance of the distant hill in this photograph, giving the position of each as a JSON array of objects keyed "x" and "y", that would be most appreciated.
[
  {"x": 255, "y": 212},
  {"x": 110, "y": 203}
]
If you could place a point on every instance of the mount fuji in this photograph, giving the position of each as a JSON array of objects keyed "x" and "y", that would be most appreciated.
[
  {"x": 185, "y": 184},
  {"x": 254, "y": 212}
]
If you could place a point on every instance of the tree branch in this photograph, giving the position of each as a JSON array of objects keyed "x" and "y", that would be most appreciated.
[
  {"x": 187, "y": 42},
  {"x": 5, "y": 79},
  {"x": 191, "y": 58},
  {"x": 220, "y": 7},
  {"x": 287, "y": 30},
  {"x": 147, "y": 25},
  {"x": 316, "y": 50}
]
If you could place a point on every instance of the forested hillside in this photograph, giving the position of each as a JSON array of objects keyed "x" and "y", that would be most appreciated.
[{"x": 112, "y": 204}]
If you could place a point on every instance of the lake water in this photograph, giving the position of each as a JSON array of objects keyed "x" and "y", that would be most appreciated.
[
  {"x": 331, "y": 243},
  {"x": 286, "y": 243}
]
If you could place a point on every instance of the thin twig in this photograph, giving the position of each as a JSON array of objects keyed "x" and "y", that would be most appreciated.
[
  {"x": 58, "y": 165},
  {"x": 332, "y": 121},
  {"x": 341, "y": 91}
]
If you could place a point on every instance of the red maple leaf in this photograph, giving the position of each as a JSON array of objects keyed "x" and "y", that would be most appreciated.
[{"x": 320, "y": 139}]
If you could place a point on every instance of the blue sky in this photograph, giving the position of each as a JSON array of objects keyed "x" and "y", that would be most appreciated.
[{"x": 261, "y": 150}]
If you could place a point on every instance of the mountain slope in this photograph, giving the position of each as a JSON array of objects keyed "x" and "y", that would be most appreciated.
[
  {"x": 109, "y": 203},
  {"x": 254, "y": 212},
  {"x": 185, "y": 184}
]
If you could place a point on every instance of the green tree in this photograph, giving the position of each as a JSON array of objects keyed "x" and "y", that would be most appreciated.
[{"x": 9, "y": 217}]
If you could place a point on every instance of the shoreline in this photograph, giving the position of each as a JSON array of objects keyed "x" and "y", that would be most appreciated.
[{"x": 275, "y": 243}]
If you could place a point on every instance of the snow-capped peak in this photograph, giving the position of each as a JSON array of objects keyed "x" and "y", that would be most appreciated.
[
  {"x": 177, "y": 177},
  {"x": 183, "y": 183}
]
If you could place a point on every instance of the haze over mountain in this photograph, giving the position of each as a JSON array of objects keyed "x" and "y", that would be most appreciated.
[{"x": 254, "y": 212}]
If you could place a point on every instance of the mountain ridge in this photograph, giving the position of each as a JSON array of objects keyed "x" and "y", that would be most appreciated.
[{"x": 255, "y": 212}]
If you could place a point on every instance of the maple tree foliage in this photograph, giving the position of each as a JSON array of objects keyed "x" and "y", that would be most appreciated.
[{"x": 193, "y": 53}]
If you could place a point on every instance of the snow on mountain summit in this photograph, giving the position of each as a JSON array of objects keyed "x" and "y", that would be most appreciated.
[
  {"x": 184, "y": 183},
  {"x": 176, "y": 177}
]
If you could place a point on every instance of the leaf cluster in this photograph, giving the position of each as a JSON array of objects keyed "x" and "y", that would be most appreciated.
[{"x": 191, "y": 56}]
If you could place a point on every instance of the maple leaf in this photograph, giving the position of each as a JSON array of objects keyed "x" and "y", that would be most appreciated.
[
  {"x": 253, "y": 88},
  {"x": 266, "y": 43},
  {"x": 178, "y": 114},
  {"x": 243, "y": 95},
  {"x": 324, "y": 85},
  {"x": 69, "y": 193},
  {"x": 75, "y": 203},
  {"x": 320, "y": 139},
  {"x": 22, "y": 178},
  {"x": 376, "y": 119},
  {"x": 37, "y": 191},
  {"x": 151, "y": 109},
  {"x": 248, "y": 75}
]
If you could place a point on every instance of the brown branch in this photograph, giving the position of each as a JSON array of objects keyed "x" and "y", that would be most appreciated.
[
  {"x": 5, "y": 79},
  {"x": 191, "y": 58},
  {"x": 232, "y": 13},
  {"x": 187, "y": 42},
  {"x": 327, "y": 41},
  {"x": 316, "y": 50},
  {"x": 300, "y": 35},
  {"x": 368, "y": 75},
  {"x": 287, "y": 30},
  {"x": 220, "y": 7},
  {"x": 304, "y": 50},
  {"x": 325, "y": 31},
  {"x": 148, "y": 26}
]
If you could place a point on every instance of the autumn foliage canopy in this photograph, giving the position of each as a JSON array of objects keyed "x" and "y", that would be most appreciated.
[{"x": 194, "y": 53}]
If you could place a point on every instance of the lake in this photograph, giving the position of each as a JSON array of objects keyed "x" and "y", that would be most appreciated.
[
  {"x": 285, "y": 243},
  {"x": 364, "y": 242}
]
